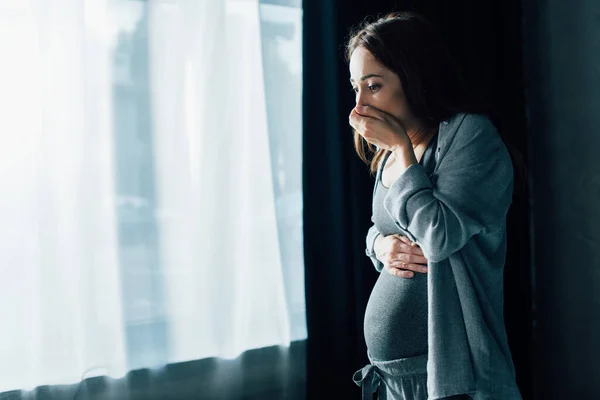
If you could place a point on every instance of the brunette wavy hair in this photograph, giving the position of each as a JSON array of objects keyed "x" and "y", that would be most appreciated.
[{"x": 411, "y": 47}]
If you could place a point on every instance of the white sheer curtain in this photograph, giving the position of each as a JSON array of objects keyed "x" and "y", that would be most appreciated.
[
  {"x": 218, "y": 228},
  {"x": 105, "y": 266}
]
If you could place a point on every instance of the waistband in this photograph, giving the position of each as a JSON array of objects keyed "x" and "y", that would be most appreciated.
[
  {"x": 370, "y": 377},
  {"x": 415, "y": 365}
]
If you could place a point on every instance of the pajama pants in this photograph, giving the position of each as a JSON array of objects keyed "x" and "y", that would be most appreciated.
[{"x": 401, "y": 379}]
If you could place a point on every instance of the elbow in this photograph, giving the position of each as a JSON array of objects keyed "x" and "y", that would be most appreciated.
[
  {"x": 440, "y": 247},
  {"x": 441, "y": 240},
  {"x": 435, "y": 255},
  {"x": 443, "y": 246},
  {"x": 436, "y": 243}
]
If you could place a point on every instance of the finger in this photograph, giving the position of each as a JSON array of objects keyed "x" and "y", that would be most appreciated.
[
  {"x": 358, "y": 122},
  {"x": 416, "y": 251},
  {"x": 407, "y": 240},
  {"x": 352, "y": 119},
  {"x": 404, "y": 252},
  {"x": 410, "y": 247},
  {"x": 409, "y": 267},
  {"x": 355, "y": 118},
  {"x": 405, "y": 248},
  {"x": 399, "y": 273},
  {"x": 408, "y": 258},
  {"x": 402, "y": 238},
  {"x": 372, "y": 112}
]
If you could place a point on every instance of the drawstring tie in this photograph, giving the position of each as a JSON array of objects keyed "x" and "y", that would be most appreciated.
[{"x": 368, "y": 377}]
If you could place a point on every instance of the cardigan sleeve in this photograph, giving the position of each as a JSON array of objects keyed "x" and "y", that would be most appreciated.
[
  {"x": 370, "y": 250},
  {"x": 472, "y": 191}
]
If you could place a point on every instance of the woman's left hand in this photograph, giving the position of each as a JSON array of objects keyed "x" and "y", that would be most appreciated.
[{"x": 379, "y": 128}]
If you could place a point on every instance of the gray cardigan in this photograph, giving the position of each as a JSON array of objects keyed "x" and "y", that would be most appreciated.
[{"x": 457, "y": 215}]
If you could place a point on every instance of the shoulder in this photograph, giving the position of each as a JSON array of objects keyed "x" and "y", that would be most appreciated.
[
  {"x": 475, "y": 131},
  {"x": 475, "y": 125},
  {"x": 473, "y": 138}
]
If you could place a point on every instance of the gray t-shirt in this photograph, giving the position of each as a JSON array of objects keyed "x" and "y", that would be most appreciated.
[{"x": 395, "y": 321}]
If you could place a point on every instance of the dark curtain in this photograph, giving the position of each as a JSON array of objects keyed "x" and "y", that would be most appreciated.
[{"x": 485, "y": 38}]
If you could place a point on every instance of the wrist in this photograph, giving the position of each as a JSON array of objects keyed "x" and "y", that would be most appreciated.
[
  {"x": 401, "y": 144},
  {"x": 404, "y": 155}
]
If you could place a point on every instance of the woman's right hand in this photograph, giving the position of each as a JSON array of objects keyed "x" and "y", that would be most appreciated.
[{"x": 400, "y": 256}]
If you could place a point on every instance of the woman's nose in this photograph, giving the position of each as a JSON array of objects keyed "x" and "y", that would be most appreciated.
[
  {"x": 361, "y": 99},
  {"x": 361, "y": 103}
]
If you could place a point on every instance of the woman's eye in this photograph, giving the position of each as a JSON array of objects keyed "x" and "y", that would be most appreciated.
[{"x": 372, "y": 88}]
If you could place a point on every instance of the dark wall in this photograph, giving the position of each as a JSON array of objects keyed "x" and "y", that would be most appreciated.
[
  {"x": 562, "y": 59},
  {"x": 485, "y": 37}
]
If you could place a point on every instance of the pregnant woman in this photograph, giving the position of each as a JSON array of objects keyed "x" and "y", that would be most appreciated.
[{"x": 434, "y": 324}]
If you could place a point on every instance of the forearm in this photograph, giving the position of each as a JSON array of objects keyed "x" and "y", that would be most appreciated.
[
  {"x": 464, "y": 202},
  {"x": 404, "y": 156}
]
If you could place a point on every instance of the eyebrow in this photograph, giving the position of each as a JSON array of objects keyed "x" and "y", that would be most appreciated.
[{"x": 367, "y": 77}]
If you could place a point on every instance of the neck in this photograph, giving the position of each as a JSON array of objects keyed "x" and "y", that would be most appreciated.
[{"x": 420, "y": 135}]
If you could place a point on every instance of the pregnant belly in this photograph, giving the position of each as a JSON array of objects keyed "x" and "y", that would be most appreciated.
[{"x": 395, "y": 322}]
